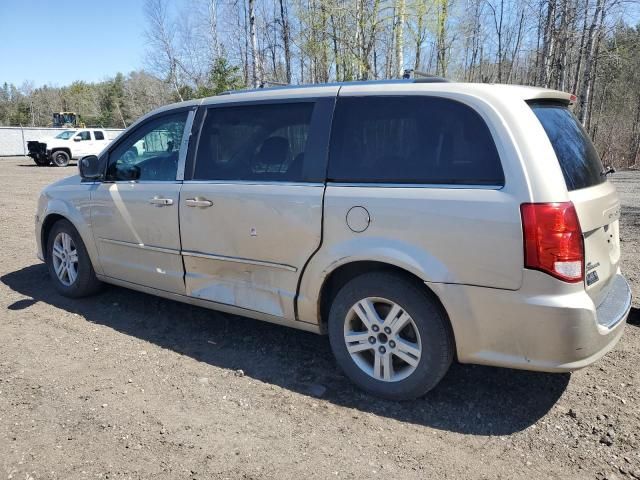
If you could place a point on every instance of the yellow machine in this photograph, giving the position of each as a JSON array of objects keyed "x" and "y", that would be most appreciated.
[{"x": 67, "y": 119}]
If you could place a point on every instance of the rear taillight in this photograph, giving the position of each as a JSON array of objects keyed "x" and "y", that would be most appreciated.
[{"x": 553, "y": 240}]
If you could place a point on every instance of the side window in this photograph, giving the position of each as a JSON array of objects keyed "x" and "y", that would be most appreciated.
[
  {"x": 411, "y": 139},
  {"x": 150, "y": 152},
  {"x": 98, "y": 135},
  {"x": 85, "y": 135},
  {"x": 254, "y": 142}
]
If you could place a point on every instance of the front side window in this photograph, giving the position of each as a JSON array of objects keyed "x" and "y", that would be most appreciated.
[
  {"x": 254, "y": 142},
  {"x": 66, "y": 135},
  {"x": 150, "y": 152},
  {"x": 411, "y": 139},
  {"x": 84, "y": 135}
]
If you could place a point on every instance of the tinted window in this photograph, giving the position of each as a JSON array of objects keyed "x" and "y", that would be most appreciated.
[
  {"x": 84, "y": 135},
  {"x": 254, "y": 142},
  {"x": 578, "y": 158},
  {"x": 150, "y": 152},
  {"x": 98, "y": 135},
  {"x": 415, "y": 139}
]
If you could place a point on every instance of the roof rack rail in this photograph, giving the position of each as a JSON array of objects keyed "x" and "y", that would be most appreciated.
[
  {"x": 422, "y": 77},
  {"x": 270, "y": 83}
]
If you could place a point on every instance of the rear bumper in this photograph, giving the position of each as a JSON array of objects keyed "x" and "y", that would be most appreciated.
[{"x": 547, "y": 325}]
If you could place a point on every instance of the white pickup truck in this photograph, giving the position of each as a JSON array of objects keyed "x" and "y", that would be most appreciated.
[{"x": 71, "y": 144}]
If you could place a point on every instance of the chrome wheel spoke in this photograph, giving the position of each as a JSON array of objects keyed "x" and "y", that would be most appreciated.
[
  {"x": 64, "y": 256},
  {"x": 397, "y": 319},
  {"x": 367, "y": 313},
  {"x": 382, "y": 367},
  {"x": 66, "y": 242},
  {"x": 59, "y": 269},
  {"x": 358, "y": 342},
  {"x": 407, "y": 351},
  {"x": 57, "y": 251},
  {"x": 72, "y": 273}
]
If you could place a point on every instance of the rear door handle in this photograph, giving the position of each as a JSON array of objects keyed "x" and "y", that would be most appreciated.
[
  {"x": 161, "y": 202},
  {"x": 198, "y": 202}
]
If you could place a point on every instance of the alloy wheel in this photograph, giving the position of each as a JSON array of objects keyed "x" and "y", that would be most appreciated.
[
  {"x": 65, "y": 258},
  {"x": 382, "y": 339}
]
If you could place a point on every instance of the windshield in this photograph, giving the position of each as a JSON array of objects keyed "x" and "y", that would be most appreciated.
[
  {"x": 66, "y": 135},
  {"x": 578, "y": 158}
]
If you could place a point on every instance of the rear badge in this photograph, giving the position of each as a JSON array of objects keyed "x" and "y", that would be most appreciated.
[{"x": 592, "y": 277}]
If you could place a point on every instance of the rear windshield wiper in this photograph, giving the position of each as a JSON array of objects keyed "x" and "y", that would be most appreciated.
[{"x": 607, "y": 171}]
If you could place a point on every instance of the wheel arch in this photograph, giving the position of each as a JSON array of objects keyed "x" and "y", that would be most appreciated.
[
  {"x": 67, "y": 150},
  {"x": 48, "y": 223},
  {"x": 342, "y": 274},
  {"x": 59, "y": 210}
]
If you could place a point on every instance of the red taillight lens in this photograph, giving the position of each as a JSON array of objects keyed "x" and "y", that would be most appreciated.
[{"x": 553, "y": 240}]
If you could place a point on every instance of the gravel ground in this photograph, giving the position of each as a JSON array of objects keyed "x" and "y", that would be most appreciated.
[{"x": 126, "y": 385}]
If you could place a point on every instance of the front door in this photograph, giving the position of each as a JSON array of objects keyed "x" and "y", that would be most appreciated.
[
  {"x": 135, "y": 210},
  {"x": 251, "y": 215},
  {"x": 83, "y": 144}
]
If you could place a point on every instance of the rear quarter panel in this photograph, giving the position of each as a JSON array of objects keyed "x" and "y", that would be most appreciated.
[{"x": 442, "y": 234}]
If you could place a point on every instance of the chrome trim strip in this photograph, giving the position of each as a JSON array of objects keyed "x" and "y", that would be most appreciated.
[
  {"x": 454, "y": 186},
  {"x": 184, "y": 145},
  {"x": 188, "y": 253},
  {"x": 252, "y": 182},
  {"x": 141, "y": 246}
]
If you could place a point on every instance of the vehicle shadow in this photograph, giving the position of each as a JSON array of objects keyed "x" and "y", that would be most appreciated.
[
  {"x": 634, "y": 317},
  {"x": 470, "y": 399}
]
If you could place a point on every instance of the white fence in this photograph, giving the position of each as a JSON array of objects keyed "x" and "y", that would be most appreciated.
[{"x": 13, "y": 140}]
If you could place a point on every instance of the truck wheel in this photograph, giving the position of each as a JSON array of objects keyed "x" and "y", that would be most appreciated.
[
  {"x": 41, "y": 161},
  {"x": 60, "y": 158},
  {"x": 390, "y": 336},
  {"x": 69, "y": 264}
]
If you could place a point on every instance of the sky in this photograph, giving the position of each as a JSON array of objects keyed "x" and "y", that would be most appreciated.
[{"x": 55, "y": 42}]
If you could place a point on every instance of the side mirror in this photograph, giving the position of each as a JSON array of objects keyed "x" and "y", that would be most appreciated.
[
  {"x": 76, "y": 139},
  {"x": 90, "y": 167}
]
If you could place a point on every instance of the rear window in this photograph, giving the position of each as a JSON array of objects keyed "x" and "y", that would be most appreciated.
[
  {"x": 579, "y": 161},
  {"x": 411, "y": 139}
]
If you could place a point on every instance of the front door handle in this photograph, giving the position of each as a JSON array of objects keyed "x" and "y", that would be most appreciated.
[
  {"x": 161, "y": 202},
  {"x": 198, "y": 202}
]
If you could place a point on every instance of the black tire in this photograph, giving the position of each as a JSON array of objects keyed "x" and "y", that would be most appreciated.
[
  {"x": 433, "y": 327},
  {"x": 41, "y": 161},
  {"x": 60, "y": 158},
  {"x": 86, "y": 282}
]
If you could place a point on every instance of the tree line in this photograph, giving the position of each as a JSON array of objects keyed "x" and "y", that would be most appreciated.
[{"x": 204, "y": 47}]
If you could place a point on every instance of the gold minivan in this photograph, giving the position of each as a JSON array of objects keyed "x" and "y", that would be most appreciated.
[{"x": 413, "y": 221}]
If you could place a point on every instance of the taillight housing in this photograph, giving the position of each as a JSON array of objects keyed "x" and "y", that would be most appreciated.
[{"x": 553, "y": 240}]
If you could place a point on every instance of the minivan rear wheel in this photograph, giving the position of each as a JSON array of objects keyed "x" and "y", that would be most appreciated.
[{"x": 390, "y": 336}]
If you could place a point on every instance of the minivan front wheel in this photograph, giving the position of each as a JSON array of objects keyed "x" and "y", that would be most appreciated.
[
  {"x": 389, "y": 336},
  {"x": 69, "y": 263}
]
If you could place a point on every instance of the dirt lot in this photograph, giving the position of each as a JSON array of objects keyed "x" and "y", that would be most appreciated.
[{"x": 126, "y": 385}]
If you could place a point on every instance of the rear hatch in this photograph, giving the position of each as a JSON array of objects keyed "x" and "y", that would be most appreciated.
[{"x": 594, "y": 197}]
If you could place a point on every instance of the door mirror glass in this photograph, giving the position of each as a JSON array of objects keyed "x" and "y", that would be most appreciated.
[{"x": 90, "y": 167}]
